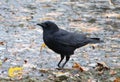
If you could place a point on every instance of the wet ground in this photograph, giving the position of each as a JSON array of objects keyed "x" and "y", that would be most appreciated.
[{"x": 22, "y": 39}]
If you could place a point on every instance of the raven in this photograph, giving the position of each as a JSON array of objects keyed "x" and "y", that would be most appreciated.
[{"x": 62, "y": 41}]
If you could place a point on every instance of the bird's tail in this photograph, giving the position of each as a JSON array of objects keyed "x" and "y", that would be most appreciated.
[{"x": 95, "y": 40}]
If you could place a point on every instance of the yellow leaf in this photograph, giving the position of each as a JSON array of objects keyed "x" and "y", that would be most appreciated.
[
  {"x": 42, "y": 46},
  {"x": 15, "y": 71}
]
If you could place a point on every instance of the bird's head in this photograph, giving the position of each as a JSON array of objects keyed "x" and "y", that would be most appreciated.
[{"x": 48, "y": 26}]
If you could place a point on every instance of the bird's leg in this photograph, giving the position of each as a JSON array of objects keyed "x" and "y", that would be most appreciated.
[
  {"x": 62, "y": 57},
  {"x": 67, "y": 59}
]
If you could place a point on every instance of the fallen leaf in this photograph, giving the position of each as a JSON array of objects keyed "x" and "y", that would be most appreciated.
[
  {"x": 101, "y": 67},
  {"x": 43, "y": 70},
  {"x": 117, "y": 79},
  {"x": 42, "y": 46},
  {"x": 103, "y": 64},
  {"x": 58, "y": 74},
  {"x": 5, "y": 59},
  {"x": 15, "y": 72},
  {"x": 1, "y": 43},
  {"x": 112, "y": 72},
  {"x": 77, "y": 66}
]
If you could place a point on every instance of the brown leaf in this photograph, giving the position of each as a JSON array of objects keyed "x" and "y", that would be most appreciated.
[
  {"x": 5, "y": 59},
  {"x": 103, "y": 64},
  {"x": 101, "y": 67},
  {"x": 43, "y": 70},
  {"x": 112, "y": 72},
  {"x": 1, "y": 43},
  {"x": 77, "y": 66},
  {"x": 117, "y": 79}
]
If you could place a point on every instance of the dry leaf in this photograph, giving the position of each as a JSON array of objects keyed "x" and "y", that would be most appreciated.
[
  {"x": 58, "y": 74},
  {"x": 15, "y": 72},
  {"x": 112, "y": 72},
  {"x": 117, "y": 79},
  {"x": 101, "y": 66},
  {"x": 43, "y": 70},
  {"x": 5, "y": 59},
  {"x": 1, "y": 43},
  {"x": 42, "y": 46},
  {"x": 77, "y": 66}
]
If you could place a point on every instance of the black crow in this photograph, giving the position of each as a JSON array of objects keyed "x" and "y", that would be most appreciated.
[{"x": 62, "y": 41}]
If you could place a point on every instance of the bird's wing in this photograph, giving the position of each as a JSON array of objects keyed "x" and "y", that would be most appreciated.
[{"x": 70, "y": 39}]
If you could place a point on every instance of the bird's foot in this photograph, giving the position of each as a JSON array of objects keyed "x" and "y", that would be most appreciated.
[{"x": 59, "y": 67}]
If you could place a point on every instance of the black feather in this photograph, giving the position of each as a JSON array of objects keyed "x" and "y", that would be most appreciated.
[{"x": 62, "y": 41}]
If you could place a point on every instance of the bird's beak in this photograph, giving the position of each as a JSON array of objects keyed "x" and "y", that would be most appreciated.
[{"x": 41, "y": 24}]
